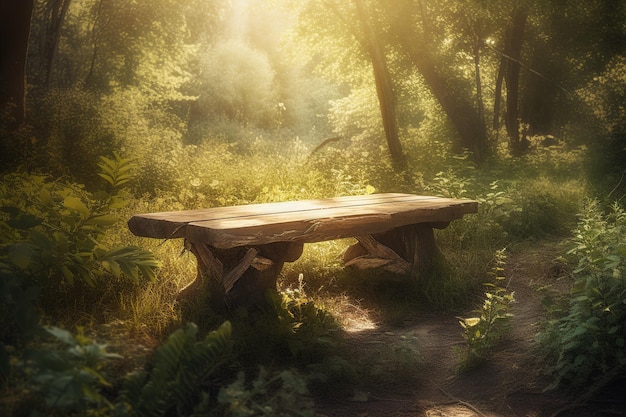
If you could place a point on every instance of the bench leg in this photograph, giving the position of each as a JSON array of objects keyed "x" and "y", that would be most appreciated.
[
  {"x": 408, "y": 249},
  {"x": 238, "y": 277}
]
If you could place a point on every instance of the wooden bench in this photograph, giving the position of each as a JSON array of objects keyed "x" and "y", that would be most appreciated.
[{"x": 241, "y": 249}]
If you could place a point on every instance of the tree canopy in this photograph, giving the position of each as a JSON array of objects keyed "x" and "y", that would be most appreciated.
[{"x": 481, "y": 70}]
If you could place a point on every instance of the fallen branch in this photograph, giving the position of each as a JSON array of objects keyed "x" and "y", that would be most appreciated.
[
  {"x": 324, "y": 143},
  {"x": 454, "y": 400}
]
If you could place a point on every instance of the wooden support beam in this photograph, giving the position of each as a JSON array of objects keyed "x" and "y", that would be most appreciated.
[
  {"x": 231, "y": 278},
  {"x": 376, "y": 255}
]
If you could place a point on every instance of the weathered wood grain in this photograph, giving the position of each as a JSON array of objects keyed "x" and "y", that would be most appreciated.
[{"x": 300, "y": 221}]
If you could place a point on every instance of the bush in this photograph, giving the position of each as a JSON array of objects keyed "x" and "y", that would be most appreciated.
[
  {"x": 52, "y": 242},
  {"x": 587, "y": 340}
]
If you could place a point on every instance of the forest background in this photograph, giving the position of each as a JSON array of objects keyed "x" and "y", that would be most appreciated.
[{"x": 111, "y": 108}]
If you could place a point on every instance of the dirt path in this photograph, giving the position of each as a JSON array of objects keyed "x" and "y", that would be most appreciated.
[{"x": 412, "y": 370}]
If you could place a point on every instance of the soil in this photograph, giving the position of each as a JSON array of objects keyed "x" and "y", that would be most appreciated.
[{"x": 412, "y": 369}]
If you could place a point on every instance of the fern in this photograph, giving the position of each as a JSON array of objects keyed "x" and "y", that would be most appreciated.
[
  {"x": 116, "y": 171},
  {"x": 181, "y": 368},
  {"x": 130, "y": 261}
]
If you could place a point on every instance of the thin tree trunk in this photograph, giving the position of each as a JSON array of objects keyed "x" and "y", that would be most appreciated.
[
  {"x": 479, "y": 88},
  {"x": 461, "y": 112},
  {"x": 513, "y": 49},
  {"x": 15, "y": 17},
  {"x": 384, "y": 87},
  {"x": 498, "y": 94},
  {"x": 56, "y": 18}
]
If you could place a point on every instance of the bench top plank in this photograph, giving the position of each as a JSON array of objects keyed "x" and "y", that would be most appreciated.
[{"x": 300, "y": 221}]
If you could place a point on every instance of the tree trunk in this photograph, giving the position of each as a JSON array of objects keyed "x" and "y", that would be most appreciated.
[
  {"x": 15, "y": 16},
  {"x": 514, "y": 37},
  {"x": 479, "y": 88},
  {"x": 463, "y": 115},
  {"x": 498, "y": 94},
  {"x": 384, "y": 87},
  {"x": 56, "y": 11},
  {"x": 460, "y": 110}
]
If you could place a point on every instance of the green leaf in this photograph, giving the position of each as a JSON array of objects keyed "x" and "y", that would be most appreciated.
[
  {"x": 108, "y": 178},
  {"x": 62, "y": 335},
  {"x": 472, "y": 321},
  {"x": 76, "y": 204},
  {"x": 614, "y": 329},
  {"x": 68, "y": 275},
  {"x": 22, "y": 255},
  {"x": 131, "y": 261},
  {"x": 19, "y": 219}
]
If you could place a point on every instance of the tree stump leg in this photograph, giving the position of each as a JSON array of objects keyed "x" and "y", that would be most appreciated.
[
  {"x": 238, "y": 277},
  {"x": 413, "y": 244}
]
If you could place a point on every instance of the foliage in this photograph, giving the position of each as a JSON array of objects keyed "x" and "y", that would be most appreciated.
[
  {"x": 189, "y": 377},
  {"x": 52, "y": 231},
  {"x": 69, "y": 123},
  {"x": 294, "y": 328},
  {"x": 70, "y": 381},
  {"x": 307, "y": 327},
  {"x": 237, "y": 84},
  {"x": 587, "y": 339},
  {"x": 601, "y": 96},
  {"x": 283, "y": 394},
  {"x": 182, "y": 369},
  {"x": 51, "y": 244},
  {"x": 483, "y": 332}
]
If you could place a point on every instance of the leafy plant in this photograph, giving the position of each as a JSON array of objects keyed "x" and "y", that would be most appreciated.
[
  {"x": 188, "y": 377},
  {"x": 52, "y": 239},
  {"x": 587, "y": 340},
  {"x": 305, "y": 327},
  {"x": 71, "y": 380},
  {"x": 180, "y": 374},
  {"x": 53, "y": 232},
  {"x": 281, "y": 394},
  {"x": 482, "y": 332}
]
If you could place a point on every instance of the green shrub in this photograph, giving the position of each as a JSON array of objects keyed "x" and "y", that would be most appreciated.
[
  {"x": 192, "y": 377},
  {"x": 187, "y": 376},
  {"x": 70, "y": 380},
  {"x": 587, "y": 340},
  {"x": 182, "y": 368},
  {"x": 52, "y": 231},
  {"x": 51, "y": 247},
  {"x": 544, "y": 208}
]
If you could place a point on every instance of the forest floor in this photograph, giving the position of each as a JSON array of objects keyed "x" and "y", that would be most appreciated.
[{"x": 412, "y": 368}]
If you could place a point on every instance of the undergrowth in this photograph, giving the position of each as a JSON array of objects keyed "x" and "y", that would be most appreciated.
[
  {"x": 483, "y": 331},
  {"x": 586, "y": 338},
  {"x": 63, "y": 238}
]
